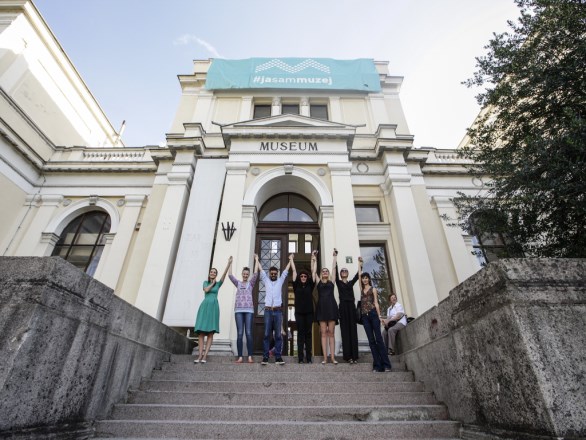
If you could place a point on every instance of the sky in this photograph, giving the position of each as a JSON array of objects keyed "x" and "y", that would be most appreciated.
[{"x": 129, "y": 52}]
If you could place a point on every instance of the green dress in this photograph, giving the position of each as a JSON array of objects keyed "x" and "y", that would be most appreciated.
[{"x": 208, "y": 315}]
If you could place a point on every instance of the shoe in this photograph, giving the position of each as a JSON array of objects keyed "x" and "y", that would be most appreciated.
[
  {"x": 197, "y": 361},
  {"x": 391, "y": 352},
  {"x": 387, "y": 370},
  {"x": 309, "y": 361},
  {"x": 239, "y": 361},
  {"x": 335, "y": 362},
  {"x": 264, "y": 361},
  {"x": 250, "y": 360},
  {"x": 324, "y": 362},
  {"x": 375, "y": 371},
  {"x": 301, "y": 361},
  {"x": 203, "y": 361},
  {"x": 279, "y": 361}
]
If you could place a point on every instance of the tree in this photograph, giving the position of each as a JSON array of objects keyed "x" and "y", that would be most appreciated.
[{"x": 530, "y": 138}]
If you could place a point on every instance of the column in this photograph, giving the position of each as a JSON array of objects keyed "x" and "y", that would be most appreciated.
[
  {"x": 114, "y": 254},
  {"x": 463, "y": 263},
  {"x": 246, "y": 108},
  {"x": 304, "y": 109},
  {"x": 196, "y": 243},
  {"x": 156, "y": 277},
  {"x": 231, "y": 213},
  {"x": 346, "y": 229},
  {"x": 32, "y": 243},
  {"x": 276, "y": 106},
  {"x": 417, "y": 269}
]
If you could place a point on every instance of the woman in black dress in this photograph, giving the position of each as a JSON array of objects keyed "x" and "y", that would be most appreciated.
[
  {"x": 326, "y": 311},
  {"x": 347, "y": 313}
]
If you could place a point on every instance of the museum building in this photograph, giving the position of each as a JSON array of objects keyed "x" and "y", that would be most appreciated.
[{"x": 265, "y": 155}]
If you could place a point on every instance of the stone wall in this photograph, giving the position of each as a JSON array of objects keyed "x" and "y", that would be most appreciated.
[
  {"x": 506, "y": 351},
  {"x": 69, "y": 348}
]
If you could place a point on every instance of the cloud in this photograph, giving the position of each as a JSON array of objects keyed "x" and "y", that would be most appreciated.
[{"x": 188, "y": 39}]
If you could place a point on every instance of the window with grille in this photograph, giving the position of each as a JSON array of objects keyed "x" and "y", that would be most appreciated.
[{"x": 82, "y": 241}]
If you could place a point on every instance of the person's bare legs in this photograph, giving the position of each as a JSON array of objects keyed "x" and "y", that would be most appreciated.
[
  {"x": 332, "y": 339},
  {"x": 323, "y": 331},
  {"x": 209, "y": 341},
  {"x": 200, "y": 346}
]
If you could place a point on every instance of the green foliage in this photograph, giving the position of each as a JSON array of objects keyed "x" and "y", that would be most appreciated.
[{"x": 531, "y": 139}]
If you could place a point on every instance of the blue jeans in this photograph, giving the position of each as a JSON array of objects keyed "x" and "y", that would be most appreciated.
[
  {"x": 244, "y": 323},
  {"x": 273, "y": 321},
  {"x": 380, "y": 358}
]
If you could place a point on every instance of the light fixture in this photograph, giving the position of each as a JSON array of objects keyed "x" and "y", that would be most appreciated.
[{"x": 228, "y": 230}]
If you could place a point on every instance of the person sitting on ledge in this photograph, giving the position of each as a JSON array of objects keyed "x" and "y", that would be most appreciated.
[{"x": 395, "y": 321}]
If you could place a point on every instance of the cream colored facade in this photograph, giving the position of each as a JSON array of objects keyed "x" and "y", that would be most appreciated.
[{"x": 61, "y": 157}]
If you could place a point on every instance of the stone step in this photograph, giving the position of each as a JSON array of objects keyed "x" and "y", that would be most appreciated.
[
  {"x": 275, "y": 429},
  {"x": 281, "y": 386},
  {"x": 303, "y": 413},
  {"x": 292, "y": 398},
  {"x": 291, "y": 366},
  {"x": 229, "y": 358},
  {"x": 282, "y": 374}
]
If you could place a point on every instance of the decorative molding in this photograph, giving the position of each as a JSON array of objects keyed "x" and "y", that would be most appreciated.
[
  {"x": 50, "y": 199},
  {"x": 109, "y": 237},
  {"x": 362, "y": 167},
  {"x": 134, "y": 200},
  {"x": 50, "y": 238},
  {"x": 288, "y": 167},
  {"x": 321, "y": 172}
]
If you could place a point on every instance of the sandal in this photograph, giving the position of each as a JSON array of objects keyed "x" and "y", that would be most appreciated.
[{"x": 250, "y": 360}]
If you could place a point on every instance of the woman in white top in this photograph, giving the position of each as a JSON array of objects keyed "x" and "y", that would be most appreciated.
[{"x": 396, "y": 320}]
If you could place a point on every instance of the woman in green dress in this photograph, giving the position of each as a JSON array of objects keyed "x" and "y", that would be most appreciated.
[{"x": 207, "y": 321}]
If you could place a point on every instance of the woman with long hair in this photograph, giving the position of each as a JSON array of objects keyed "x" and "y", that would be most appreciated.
[
  {"x": 347, "y": 309},
  {"x": 372, "y": 322},
  {"x": 244, "y": 309},
  {"x": 207, "y": 321},
  {"x": 326, "y": 311}
]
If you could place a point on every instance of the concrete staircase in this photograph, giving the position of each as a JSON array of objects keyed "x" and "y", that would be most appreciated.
[{"x": 224, "y": 400}]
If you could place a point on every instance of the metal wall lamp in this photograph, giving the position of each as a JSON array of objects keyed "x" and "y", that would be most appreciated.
[{"x": 228, "y": 230}]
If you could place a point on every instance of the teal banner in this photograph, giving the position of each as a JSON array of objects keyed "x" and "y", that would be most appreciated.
[{"x": 293, "y": 73}]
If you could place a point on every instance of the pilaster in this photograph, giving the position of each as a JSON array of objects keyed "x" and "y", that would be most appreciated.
[
  {"x": 418, "y": 274},
  {"x": 32, "y": 244},
  {"x": 114, "y": 255},
  {"x": 152, "y": 293},
  {"x": 463, "y": 264}
]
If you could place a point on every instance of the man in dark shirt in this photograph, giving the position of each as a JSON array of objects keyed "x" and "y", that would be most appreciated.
[{"x": 303, "y": 288}]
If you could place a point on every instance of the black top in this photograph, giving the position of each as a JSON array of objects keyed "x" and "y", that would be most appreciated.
[
  {"x": 303, "y": 295},
  {"x": 345, "y": 290}
]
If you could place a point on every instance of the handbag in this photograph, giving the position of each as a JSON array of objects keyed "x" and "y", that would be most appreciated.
[{"x": 358, "y": 313}]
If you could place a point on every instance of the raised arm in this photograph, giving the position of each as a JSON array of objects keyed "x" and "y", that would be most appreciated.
[
  {"x": 256, "y": 264},
  {"x": 293, "y": 268},
  {"x": 335, "y": 263},
  {"x": 290, "y": 262},
  {"x": 228, "y": 266},
  {"x": 314, "y": 276},
  {"x": 360, "y": 263}
]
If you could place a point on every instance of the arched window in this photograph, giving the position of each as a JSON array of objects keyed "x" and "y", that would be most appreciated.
[
  {"x": 288, "y": 208},
  {"x": 82, "y": 241}
]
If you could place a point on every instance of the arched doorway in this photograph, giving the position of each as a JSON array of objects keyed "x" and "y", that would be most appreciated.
[{"x": 288, "y": 223}]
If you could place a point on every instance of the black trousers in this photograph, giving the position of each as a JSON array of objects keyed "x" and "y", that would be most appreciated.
[
  {"x": 304, "y": 325},
  {"x": 348, "y": 330}
]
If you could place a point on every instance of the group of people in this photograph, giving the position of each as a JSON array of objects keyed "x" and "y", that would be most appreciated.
[{"x": 327, "y": 313}]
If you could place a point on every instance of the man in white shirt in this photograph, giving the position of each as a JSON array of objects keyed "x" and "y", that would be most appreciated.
[
  {"x": 396, "y": 320},
  {"x": 273, "y": 313}
]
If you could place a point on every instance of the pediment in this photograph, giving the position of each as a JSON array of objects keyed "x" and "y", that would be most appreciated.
[
  {"x": 288, "y": 126},
  {"x": 287, "y": 121}
]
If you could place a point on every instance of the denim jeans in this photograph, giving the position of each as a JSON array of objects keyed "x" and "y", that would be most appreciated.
[
  {"x": 273, "y": 321},
  {"x": 380, "y": 358},
  {"x": 244, "y": 323}
]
